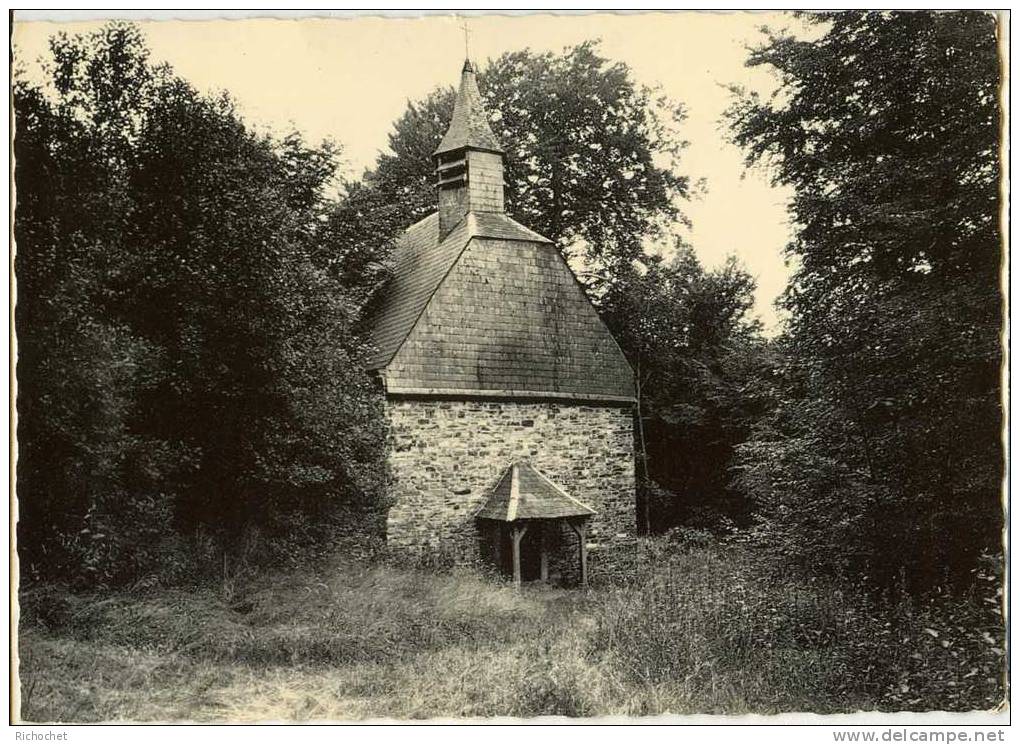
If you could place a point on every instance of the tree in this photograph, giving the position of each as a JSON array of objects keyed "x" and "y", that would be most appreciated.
[
  {"x": 886, "y": 442},
  {"x": 78, "y": 366},
  {"x": 186, "y": 362},
  {"x": 697, "y": 357},
  {"x": 591, "y": 157}
]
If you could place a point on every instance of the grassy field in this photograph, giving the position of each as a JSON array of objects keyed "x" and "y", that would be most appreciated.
[{"x": 703, "y": 631}]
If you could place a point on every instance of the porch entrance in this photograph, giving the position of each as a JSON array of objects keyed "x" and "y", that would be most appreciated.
[
  {"x": 531, "y": 548},
  {"x": 521, "y": 516}
]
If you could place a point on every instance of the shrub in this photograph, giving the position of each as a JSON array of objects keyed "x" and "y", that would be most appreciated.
[{"x": 127, "y": 539}]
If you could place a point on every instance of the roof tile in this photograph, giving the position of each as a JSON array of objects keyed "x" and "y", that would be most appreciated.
[
  {"x": 420, "y": 262},
  {"x": 492, "y": 308}
]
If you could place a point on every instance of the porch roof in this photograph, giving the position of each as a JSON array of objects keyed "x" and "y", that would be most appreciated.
[{"x": 525, "y": 493}]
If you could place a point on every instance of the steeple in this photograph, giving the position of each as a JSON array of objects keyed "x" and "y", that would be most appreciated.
[
  {"x": 469, "y": 126},
  {"x": 469, "y": 160}
]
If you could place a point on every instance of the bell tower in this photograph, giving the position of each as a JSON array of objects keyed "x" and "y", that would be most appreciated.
[{"x": 469, "y": 160}]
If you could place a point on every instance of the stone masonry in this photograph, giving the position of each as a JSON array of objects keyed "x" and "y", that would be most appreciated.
[{"x": 446, "y": 455}]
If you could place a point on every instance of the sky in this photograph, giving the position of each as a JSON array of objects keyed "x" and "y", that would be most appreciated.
[{"x": 348, "y": 79}]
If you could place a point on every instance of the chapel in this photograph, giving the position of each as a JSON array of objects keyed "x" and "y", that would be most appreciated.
[{"x": 509, "y": 403}]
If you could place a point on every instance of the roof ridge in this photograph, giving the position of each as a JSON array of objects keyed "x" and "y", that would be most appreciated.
[
  {"x": 517, "y": 496},
  {"x": 515, "y": 492}
]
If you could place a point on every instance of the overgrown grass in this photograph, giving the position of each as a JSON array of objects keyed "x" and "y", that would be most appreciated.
[
  {"x": 714, "y": 619},
  {"x": 703, "y": 631}
]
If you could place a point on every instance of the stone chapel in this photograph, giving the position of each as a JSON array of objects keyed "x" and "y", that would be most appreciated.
[{"x": 509, "y": 403}]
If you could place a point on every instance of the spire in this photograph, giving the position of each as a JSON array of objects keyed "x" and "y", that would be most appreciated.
[
  {"x": 469, "y": 127},
  {"x": 469, "y": 161}
]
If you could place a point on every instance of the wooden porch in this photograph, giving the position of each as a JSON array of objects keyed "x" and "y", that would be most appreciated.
[{"x": 523, "y": 513}]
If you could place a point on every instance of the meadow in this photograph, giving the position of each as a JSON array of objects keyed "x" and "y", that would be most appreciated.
[{"x": 704, "y": 629}]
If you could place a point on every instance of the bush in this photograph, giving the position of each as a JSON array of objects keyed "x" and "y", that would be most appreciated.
[{"x": 127, "y": 540}]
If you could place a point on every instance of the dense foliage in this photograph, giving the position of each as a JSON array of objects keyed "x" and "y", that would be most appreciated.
[
  {"x": 699, "y": 361},
  {"x": 884, "y": 456},
  {"x": 189, "y": 379},
  {"x": 186, "y": 361},
  {"x": 188, "y": 297}
]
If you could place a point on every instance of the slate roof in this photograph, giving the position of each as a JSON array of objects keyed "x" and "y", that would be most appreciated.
[
  {"x": 525, "y": 493},
  {"x": 490, "y": 309},
  {"x": 509, "y": 320},
  {"x": 420, "y": 262},
  {"x": 469, "y": 126}
]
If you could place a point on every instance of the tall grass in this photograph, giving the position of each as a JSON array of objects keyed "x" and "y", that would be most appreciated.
[
  {"x": 714, "y": 618},
  {"x": 700, "y": 630}
]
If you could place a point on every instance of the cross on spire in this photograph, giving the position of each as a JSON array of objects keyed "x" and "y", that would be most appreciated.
[{"x": 467, "y": 37}]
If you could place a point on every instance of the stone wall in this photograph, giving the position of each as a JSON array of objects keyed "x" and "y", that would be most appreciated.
[{"x": 446, "y": 455}]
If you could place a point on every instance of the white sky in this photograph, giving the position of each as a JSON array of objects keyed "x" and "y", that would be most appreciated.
[{"x": 348, "y": 79}]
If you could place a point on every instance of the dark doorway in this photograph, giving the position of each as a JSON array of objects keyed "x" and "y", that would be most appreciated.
[{"x": 531, "y": 552}]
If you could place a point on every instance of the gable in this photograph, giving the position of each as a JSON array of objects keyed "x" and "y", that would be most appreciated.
[{"x": 510, "y": 318}]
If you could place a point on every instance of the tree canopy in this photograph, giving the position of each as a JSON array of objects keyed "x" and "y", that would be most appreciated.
[
  {"x": 185, "y": 361},
  {"x": 593, "y": 162},
  {"x": 887, "y": 437},
  {"x": 696, "y": 354},
  {"x": 189, "y": 297}
]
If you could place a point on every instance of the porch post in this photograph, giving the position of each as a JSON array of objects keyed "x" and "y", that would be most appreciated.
[
  {"x": 581, "y": 529},
  {"x": 545, "y": 552},
  {"x": 582, "y": 534},
  {"x": 516, "y": 533}
]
